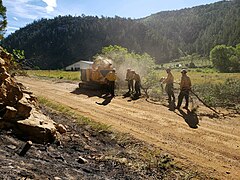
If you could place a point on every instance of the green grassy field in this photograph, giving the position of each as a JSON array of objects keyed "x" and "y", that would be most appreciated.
[
  {"x": 212, "y": 86},
  {"x": 206, "y": 76},
  {"x": 67, "y": 75},
  {"x": 185, "y": 62},
  {"x": 202, "y": 77}
]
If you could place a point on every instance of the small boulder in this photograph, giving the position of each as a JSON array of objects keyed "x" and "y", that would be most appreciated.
[
  {"x": 3, "y": 76},
  {"x": 37, "y": 128},
  {"x": 10, "y": 113},
  {"x": 82, "y": 160},
  {"x": 2, "y": 62},
  {"x": 23, "y": 108},
  {"x": 61, "y": 128}
]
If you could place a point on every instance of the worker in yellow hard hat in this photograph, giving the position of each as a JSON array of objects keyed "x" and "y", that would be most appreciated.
[{"x": 111, "y": 78}]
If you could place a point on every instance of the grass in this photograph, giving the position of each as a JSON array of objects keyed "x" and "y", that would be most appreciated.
[
  {"x": 202, "y": 77},
  {"x": 223, "y": 94},
  {"x": 185, "y": 61},
  {"x": 59, "y": 74},
  {"x": 73, "y": 114},
  {"x": 202, "y": 74},
  {"x": 198, "y": 76}
]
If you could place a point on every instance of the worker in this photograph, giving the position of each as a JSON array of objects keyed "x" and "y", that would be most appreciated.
[
  {"x": 137, "y": 80},
  {"x": 169, "y": 85},
  {"x": 111, "y": 78},
  {"x": 185, "y": 87},
  {"x": 129, "y": 79}
]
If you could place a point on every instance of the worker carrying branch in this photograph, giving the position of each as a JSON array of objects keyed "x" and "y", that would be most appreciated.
[
  {"x": 137, "y": 80},
  {"x": 185, "y": 88}
]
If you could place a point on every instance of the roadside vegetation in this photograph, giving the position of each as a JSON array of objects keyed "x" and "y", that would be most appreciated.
[
  {"x": 215, "y": 88},
  {"x": 81, "y": 120},
  {"x": 189, "y": 61},
  {"x": 196, "y": 75},
  {"x": 123, "y": 149},
  {"x": 226, "y": 94},
  {"x": 57, "y": 74}
]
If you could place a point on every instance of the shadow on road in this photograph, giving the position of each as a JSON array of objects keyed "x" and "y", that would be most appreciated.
[
  {"x": 190, "y": 118},
  {"x": 171, "y": 106},
  {"x": 89, "y": 92},
  {"x": 93, "y": 92},
  {"x": 154, "y": 102},
  {"x": 126, "y": 95},
  {"x": 132, "y": 97},
  {"x": 106, "y": 101}
]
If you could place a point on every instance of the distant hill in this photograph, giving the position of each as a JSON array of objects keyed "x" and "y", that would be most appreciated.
[{"x": 56, "y": 43}]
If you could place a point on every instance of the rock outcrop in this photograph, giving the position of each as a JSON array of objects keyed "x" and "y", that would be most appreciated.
[{"x": 18, "y": 107}]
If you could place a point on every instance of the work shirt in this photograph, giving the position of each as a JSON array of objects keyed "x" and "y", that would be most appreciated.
[
  {"x": 129, "y": 76},
  {"x": 111, "y": 76},
  {"x": 137, "y": 78},
  {"x": 185, "y": 83},
  {"x": 169, "y": 79}
]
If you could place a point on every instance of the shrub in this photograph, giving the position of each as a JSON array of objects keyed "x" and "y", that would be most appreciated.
[
  {"x": 225, "y": 94},
  {"x": 226, "y": 58}
]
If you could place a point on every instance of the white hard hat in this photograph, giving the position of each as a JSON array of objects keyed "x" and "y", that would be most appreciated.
[{"x": 184, "y": 71}]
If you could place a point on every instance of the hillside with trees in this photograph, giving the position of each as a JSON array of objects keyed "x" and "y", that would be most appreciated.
[
  {"x": 56, "y": 43},
  {"x": 198, "y": 29}
]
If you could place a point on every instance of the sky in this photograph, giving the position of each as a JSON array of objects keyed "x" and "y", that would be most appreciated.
[{"x": 23, "y": 12}]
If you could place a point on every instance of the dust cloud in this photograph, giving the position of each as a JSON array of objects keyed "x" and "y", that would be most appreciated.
[{"x": 121, "y": 66}]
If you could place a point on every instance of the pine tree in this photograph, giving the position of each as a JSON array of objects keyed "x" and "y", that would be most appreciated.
[{"x": 3, "y": 20}]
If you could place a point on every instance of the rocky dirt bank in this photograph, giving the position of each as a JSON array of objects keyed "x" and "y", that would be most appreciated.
[{"x": 84, "y": 153}]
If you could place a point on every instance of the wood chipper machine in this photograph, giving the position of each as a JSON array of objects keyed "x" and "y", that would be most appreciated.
[{"x": 92, "y": 74}]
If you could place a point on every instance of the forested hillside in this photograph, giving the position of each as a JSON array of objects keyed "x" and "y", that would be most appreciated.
[
  {"x": 198, "y": 29},
  {"x": 56, "y": 43},
  {"x": 61, "y": 41}
]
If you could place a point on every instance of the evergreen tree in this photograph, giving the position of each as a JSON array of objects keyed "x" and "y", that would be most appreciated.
[
  {"x": 56, "y": 43},
  {"x": 3, "y": 19}
]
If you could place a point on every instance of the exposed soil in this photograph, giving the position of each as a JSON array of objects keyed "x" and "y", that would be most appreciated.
[
  {"x": 201, "y": 141},
  {"x": 105, "y": 156}
]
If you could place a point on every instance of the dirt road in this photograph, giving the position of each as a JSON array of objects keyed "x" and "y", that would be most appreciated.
[{"x": 210, "y": 145}]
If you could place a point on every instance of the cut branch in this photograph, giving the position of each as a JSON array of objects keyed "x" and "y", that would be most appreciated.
[{"x": 203, "y": 102}]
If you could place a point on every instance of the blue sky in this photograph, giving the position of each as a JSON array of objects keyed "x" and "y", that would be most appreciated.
[{"x": 23, "y": 12}]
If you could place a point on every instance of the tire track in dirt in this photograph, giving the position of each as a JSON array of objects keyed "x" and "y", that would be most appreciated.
[{"x": 212, "y": 148}]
